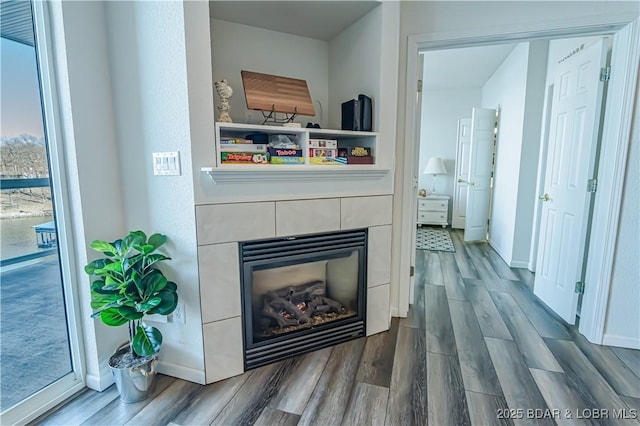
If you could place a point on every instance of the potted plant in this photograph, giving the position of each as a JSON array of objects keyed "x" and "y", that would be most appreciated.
[{"x": 129, "y": 286}]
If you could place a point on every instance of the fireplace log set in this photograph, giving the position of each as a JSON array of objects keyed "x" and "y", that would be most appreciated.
[{"x": 294, "y": 305}]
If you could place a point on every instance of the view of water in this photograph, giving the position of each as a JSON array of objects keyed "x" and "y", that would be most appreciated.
[{"x": 19, "y": 237}]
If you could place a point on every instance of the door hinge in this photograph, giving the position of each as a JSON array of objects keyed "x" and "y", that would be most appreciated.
[
  {"x": 580, "y": 287},
  {"x": 412, "y": 271},
  {"x": 592, "y": 185},
  {"x": 419, "y": 86},
  {"x": 605, "y": 73}
]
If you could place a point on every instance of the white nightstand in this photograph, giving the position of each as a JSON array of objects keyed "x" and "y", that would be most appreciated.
[{"x": 433, "y": 210}]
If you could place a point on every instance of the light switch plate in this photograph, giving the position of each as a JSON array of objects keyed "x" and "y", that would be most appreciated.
[{"x": 166, "y": 163}]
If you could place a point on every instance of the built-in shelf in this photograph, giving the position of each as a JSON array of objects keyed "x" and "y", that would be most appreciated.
[
  {"x": 301, "y": 136},
  {"x": 221, "y": 172}
]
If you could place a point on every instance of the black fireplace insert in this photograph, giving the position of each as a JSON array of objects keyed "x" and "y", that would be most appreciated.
[{"x": 302, "y": 293}]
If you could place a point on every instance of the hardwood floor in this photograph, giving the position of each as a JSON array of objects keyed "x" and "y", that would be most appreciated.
[{"x": 478, "y": 348}]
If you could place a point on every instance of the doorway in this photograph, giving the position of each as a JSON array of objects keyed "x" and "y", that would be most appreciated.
[{"x": 612, "y": 164}]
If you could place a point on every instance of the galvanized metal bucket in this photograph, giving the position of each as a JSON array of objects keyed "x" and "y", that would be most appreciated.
[{"x": 134, "y": 383}]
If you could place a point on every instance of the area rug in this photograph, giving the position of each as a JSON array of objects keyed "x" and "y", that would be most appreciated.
[{"x": 434, "y": 240}]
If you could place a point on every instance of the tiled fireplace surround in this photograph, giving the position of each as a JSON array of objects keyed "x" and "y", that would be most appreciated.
[{"x": 221, "y": 226}]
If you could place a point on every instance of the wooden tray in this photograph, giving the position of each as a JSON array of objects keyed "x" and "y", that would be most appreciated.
[{"x": 267, "y": 92}]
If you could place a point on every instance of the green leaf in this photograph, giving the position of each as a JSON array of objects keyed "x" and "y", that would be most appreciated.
[
  {"x": 156, "y": 240},
  {"x": 130, "y": 291},
  {"x": 113, "y": 317},
  {"x": 138, "y": 237},
  {"x": 119, "y": 247},
  {"x": 111, "y": 284},
  {"x": 110, "y": 267},
  {"x": 171, "y": 286},
  {"x": 103, "y": 300},
  {"x": 154, "y": 282},
  {"x": 147, "y": 248},
  {"x": 168, "y": 304},
  {"x": 138, "y": 281},
  {"x": 99, "y": 286},
  {"x": 151, "y": 303},
  {"x": 126, "y": 245},
  {"x": 155, "y": 257},
  {"x": 103, "y": 247},
  {"x": 96, "y": 264},
  {"x": 128, "y": 302},
  {"x": 130, "y": 313},
  {"x": 147, "y": 340}
]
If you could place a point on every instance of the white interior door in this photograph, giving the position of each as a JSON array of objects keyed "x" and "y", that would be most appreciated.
[
  {"x": 575, "y": 117},
  {"x": 483, "y": 124},
  {"x": 462, "y": 173}
]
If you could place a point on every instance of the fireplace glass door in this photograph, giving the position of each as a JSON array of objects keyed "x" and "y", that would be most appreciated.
[{"x": 302, "y": 293}]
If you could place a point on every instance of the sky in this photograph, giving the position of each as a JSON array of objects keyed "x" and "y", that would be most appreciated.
[{"x": 20, "y": 97}]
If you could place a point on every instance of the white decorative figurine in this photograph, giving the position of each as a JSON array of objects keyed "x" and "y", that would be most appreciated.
[{"x": 225, "y": 92}]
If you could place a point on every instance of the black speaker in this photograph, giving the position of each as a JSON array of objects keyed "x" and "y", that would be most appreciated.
[
  {"x": 351, "y": 115},
  {"x": 366, "y": 124}
]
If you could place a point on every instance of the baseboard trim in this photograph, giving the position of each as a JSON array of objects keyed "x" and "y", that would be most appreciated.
[
  {"x": 495, "y": 248},
  {"x": 512, "y": 263},
  {"x": 182, "y": 372},
  {"x": 102, "y": 381},
  {"x": 620, "y": 341}
]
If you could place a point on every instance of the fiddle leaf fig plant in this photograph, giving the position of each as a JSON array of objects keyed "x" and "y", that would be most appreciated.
[{"x": 129, "y": 286}]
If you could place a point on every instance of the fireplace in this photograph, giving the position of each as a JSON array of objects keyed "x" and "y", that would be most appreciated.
[{"x": 302, "y": 293}]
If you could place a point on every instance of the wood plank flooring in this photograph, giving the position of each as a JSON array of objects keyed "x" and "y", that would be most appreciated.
[{"x": 478, "y": 348}]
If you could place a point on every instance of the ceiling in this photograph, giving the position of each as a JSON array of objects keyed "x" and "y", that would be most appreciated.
[
  {"x": 320, "y": 20},
  {"x": 468, "y": 67}
]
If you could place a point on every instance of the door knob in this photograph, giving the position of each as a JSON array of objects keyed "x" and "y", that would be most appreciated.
[
  {"x": 544, "y": 197},
  {"x": 460, "y": 180}
]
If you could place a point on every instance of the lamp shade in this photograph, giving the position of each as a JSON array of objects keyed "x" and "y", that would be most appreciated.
[{"x": 435, "y": 166}]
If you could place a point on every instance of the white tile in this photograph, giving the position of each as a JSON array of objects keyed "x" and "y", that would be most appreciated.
[
  {"x": 219, "y": 281},
  {"x": 362, "y": 212},
  {"x": 379, "y": 256},
  {"x": 307, "y": 216},
  {"x": 378, "y": 313},
  {"x": 223, "y": 349},
  {"x": 223, "y": 223}
]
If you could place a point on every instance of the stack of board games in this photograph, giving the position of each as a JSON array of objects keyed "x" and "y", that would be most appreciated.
[
  {"x": 324, "y": 152},
  {"x": 286, "y": 155},
  {"x": 356, "y": 155},
  {"x": 242, "y": 151}
]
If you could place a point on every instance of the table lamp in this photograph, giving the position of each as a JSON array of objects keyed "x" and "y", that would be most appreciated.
[{"x": 435, "y": 167}]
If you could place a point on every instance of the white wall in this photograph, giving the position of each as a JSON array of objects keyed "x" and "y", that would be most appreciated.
[
  {"x": 517, "y": 90},
  {"x": 506, "y": 92},
  {"x": 622, "y": 326},
  {"x": 152, "y": 114},
  {"x": 128, "y": 98},
  {"x": 363, "y": 60},
  {"x": 91, "y": 152},
  {"x": 441, "y": 110},
  {"x": 531, "y": 134},
  {"x": 237, "y": 47},
  {"x": 356, "y": 71}
]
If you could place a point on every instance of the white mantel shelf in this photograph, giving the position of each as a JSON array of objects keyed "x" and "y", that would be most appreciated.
[{"x": 284, "y": 173}]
